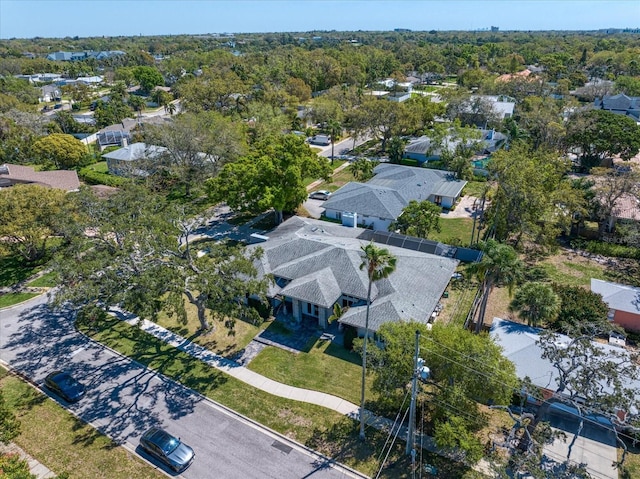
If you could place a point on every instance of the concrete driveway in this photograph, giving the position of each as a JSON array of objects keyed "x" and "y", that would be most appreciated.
[{"x": 595, "y": 446}]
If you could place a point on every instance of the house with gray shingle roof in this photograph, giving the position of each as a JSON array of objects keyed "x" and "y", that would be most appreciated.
[
  {"x": 623, "y": 302},
  {"x": 620, "y": 104},
  {"x": 316, "y": 264},
  {"x": 424, "y": 149},
  {"x": 128, "y": 160},
  {"x": 11, "y": 175},
  {"x": 381, "y": 200}
]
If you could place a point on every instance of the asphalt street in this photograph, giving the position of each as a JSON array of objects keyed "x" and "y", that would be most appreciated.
[{"x": 124, "y": 399}]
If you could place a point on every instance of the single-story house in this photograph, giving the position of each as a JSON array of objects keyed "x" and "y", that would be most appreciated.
[
  {"x": 316, "y": 264},
  {"x": 620, "y": 104},
  {"x": 50, "y": 93},
  {"x": 84, "y": 55},
  {"x": 519, "y": 345},
  {"x": 501, "y": 105},
  {"x": 126, "y": 161},
  {"x": 423, "y": 149},
  {"x": 623, "y": 302},
  {"x": 377, "y": 203},
  {"x": 11, "y": 175}
]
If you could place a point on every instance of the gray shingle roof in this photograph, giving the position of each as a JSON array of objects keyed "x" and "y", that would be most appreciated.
[
  {"x": 322, "y": 262},
  {"x": 135, "y": 151},
  {"x": 391, "y": 189},
  {"x": 618, "y": 296}
]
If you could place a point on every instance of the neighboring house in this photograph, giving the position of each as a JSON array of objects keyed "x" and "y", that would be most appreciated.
[
  {"x": 377, "y": 203},
  {"x": 50, "y": 93},
  {"x": 127, "y": 161},
  {"x": 316, "y": 264},
  {"x": 623, "y": 302},
  {"x": 518, "y": 342},
  {"x": 620, "y": 104},
  {"x": 514, "y": 76},
  {"x": 92, "y": 80},
  {"x": 398, "y": 96},
  {"x": 627, "y": 210},
  {"x": 11, "y": 175},
  {"x": 85, "y": 55},
  {"x": 423, "y": 149},
  {"x": 501, "y": 105},
  {"x": 41, "y": 77}
]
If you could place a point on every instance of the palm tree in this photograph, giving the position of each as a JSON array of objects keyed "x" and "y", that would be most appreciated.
[
  {"x": 499, "y": 264},
  {"x": 379, "y": 264}
]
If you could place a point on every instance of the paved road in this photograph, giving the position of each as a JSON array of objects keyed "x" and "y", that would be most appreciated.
[{"x": 124, "y": 399}]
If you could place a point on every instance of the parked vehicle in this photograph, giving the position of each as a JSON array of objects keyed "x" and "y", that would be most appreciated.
[
  {"x": 167, "y": 448},
  {"x": 320, "y": 195},
  {"x": 64, "y": 385}
]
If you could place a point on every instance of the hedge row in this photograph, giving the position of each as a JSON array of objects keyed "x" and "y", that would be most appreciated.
[{"x": 93, "y": 177}]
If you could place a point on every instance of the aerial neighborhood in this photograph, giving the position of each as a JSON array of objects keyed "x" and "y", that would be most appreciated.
[{"x": 321, "y": 254}]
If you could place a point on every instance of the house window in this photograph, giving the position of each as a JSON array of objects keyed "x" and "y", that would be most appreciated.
[
  {"x": 312, "y": 309},
  {"x": 438, "y": 200},
  {"x": 338, "y": 215},
  {"x": 611, "y": 314}
]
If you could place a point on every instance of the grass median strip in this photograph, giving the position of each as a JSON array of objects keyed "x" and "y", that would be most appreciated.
[{"x": 64, "y": 443}]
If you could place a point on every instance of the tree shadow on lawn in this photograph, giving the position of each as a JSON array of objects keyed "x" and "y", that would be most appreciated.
[
  {"x": 14, "y": 270},
  {"x": 338, "y": 351},
  {"x": 123, "y": 399}
]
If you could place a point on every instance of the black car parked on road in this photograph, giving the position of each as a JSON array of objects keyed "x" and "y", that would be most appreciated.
[{"x": 65, "y": 386}]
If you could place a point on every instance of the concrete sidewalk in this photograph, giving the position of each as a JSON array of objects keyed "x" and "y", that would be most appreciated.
[{"x": 241, "y": 373}]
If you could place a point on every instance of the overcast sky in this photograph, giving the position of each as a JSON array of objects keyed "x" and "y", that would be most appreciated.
[{"x": 62, "y": 18}]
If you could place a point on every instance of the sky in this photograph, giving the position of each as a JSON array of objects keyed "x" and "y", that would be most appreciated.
[{"x": 85, "y": 18}]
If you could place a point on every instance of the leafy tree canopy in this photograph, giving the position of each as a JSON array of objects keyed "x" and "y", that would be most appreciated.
[
  {"x": 418, "y": 219},
  {"x": 60, "y": 151},
  {"x": 271, "y": 176}
]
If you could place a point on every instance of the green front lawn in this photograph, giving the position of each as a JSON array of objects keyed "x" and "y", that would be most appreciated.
[
  {"x": 453, "y": 228},
  {"x": 13, "y": 269},
  {"x": 475, "y": 188},
  {"x": 220, "y": 340},
  {"x": 327, "y": 367},
  {"x": 9, "y": 299},
  {"x": 47, "y": 280},
  {"x": 62, "y": 442}
]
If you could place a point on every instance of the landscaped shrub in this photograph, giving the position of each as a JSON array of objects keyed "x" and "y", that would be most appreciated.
[
  {"x": 607, "y": 249},
  {"x": 93, "y": 177},
  {"x": 409, "y": 162},
  {"x": 350, "y": 333}
]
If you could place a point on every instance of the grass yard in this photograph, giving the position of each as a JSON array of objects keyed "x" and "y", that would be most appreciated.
[
  {"x": 9, "y": 299},
  {"x": 327, "y": 367},
  {"x": 47, "y": 280},
  {"x": 475, "y": 188},
  {"x": 221, "y": 340},
  {"x": 458, "y": 304},
  {"x": 450, "y": 228},
  {"x": 62, "y": 442},
  {"x": 296, "y": 420},
  {"x": 631, "y": 467},
  {"x": 14, "y": 270},
  {"x": 571, "y": 269}
]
